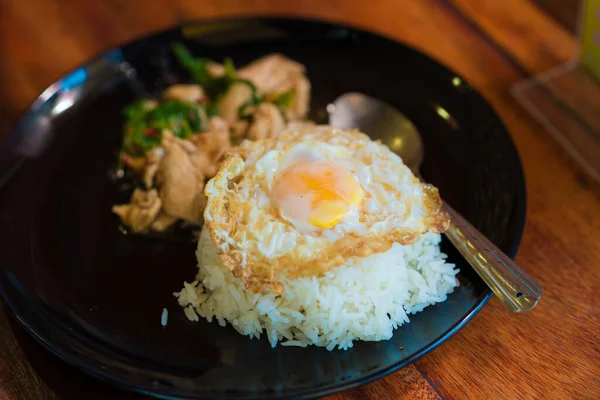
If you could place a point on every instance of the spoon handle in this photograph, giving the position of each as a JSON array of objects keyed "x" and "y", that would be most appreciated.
[{"x": 518, "y": 291}]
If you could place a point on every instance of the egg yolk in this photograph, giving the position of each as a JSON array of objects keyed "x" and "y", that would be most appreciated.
[{"x": 316, "y": 192}]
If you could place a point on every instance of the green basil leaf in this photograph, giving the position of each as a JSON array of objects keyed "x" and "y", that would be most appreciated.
[
  {"x": 197, "y": 67},
  {"x": 285, "y": 99}
]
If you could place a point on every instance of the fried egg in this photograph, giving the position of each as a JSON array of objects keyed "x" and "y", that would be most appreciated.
[{"x": 306, "y": 202}]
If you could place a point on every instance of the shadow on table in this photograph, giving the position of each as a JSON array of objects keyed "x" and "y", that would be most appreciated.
[{"x": 65, "y": 381}]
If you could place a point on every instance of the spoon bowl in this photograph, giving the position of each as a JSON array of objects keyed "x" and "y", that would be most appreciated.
[{"x": 355, "y": 110}]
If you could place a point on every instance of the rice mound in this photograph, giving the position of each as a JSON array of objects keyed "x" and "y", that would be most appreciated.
[{"x": 365, "y": 299}]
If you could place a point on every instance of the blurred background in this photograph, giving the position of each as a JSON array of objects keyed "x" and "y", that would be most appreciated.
[{"x": 42, "y": 39}]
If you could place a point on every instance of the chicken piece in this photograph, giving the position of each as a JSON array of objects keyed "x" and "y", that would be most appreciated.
[
  {"x": 239, "y": 128},
  {"x": 229, "y": 104},
  {"x": 152, "y": 163},
  {"x": 184, "y": 93},
  {"x": 142, "y": 210},
  {"x": 275, "y": 75},
  {"x": 299, "y": 107},
  {"x": 267, "y": 122},
  {"x": 181, "y": 183},
  {"x": 169, "y": 140},
  {"x": 163, "y": 222},
  {"x": 212, "y": 146},
  {"x": 202, "y": 163},
  {"x": 217, "y": 138},
  {"x": 215, "y": 69}
]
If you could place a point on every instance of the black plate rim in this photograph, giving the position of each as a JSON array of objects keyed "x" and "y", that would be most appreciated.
[{"x": 519, "y": 213}]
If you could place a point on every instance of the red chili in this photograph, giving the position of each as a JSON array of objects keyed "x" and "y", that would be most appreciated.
[
  {"x": 127, "y": 160},
  {"x": 150, "y": 132}
]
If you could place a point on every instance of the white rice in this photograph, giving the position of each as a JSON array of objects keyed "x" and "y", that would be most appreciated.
[{"x": 365, "y": 299}]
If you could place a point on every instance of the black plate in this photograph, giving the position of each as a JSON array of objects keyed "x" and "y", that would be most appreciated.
[{"x": 94, "y": 296}]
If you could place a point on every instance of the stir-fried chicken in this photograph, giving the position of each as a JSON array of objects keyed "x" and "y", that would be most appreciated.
[
  {"x": 299, "y": 107},
  {"x": 232, "y": 100},
  {"x": 267, "y": 122},
  {"x": 184, "y": 93},
  {"x": 212, "y": 146},
  {"x": 174, "y": 148},
  {"x": 275, "y": 74},
  {"x": 152, "y": 162},
  {"x": 141, "y": 211},
  {"x": 181, "y": 184},
  {"x": 179, "y": 169}
]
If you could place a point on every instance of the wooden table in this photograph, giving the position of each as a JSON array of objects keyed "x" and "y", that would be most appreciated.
[{"x": 550, "y": 353}]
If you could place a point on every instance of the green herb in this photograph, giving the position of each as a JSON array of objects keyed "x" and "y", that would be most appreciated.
[
  {"x": 137, "y": 143},
  {"x": 197, "y": 119},
  {"x": 284, "y": 100},
  {"x": 214, "y": 87},
  {"x": 243, "y": 110},
  {"x": 229, "y": 70},
  {"x": 221, "y": 85},
  {"x": 252, "y": 102},
  {"x": 212, "y": 110},
  {"x": 143, "y": 129},
  {"x": 197, "y": 67},
  {"x": 135, "y": 111}
]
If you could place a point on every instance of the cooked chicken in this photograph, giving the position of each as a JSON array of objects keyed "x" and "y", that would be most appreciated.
[
  {"x": 267, "y": 122},
  {"x": 142, "y": 210},
  {"x": 181, "y": 184},
  {"x": 163, "y": 222},
  {"x": 203, "y": 164},
  {"x": 216, "y": 140},
  {"x": 215, "y": 69},
  {"x": 217, "y": 124},
  {"x": 274, "y": 74},
  {"x": 179, "y": 168},
  {"x": 174, "y": 170},
  {"x": 239, "y": 128},
  {"x": 299, "y": 107},
  {"x": 211, "y": 146},
  {"x": 152, "y": 163},
  {"x": 229, "y": 105},
  {"x": 185, "y": 93}
]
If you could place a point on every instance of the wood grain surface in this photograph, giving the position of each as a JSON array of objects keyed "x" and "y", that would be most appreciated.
[{"x": 551, "y": 353}]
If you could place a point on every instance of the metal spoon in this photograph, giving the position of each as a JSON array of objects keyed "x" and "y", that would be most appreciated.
[{"x": 513, "y": 286}]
